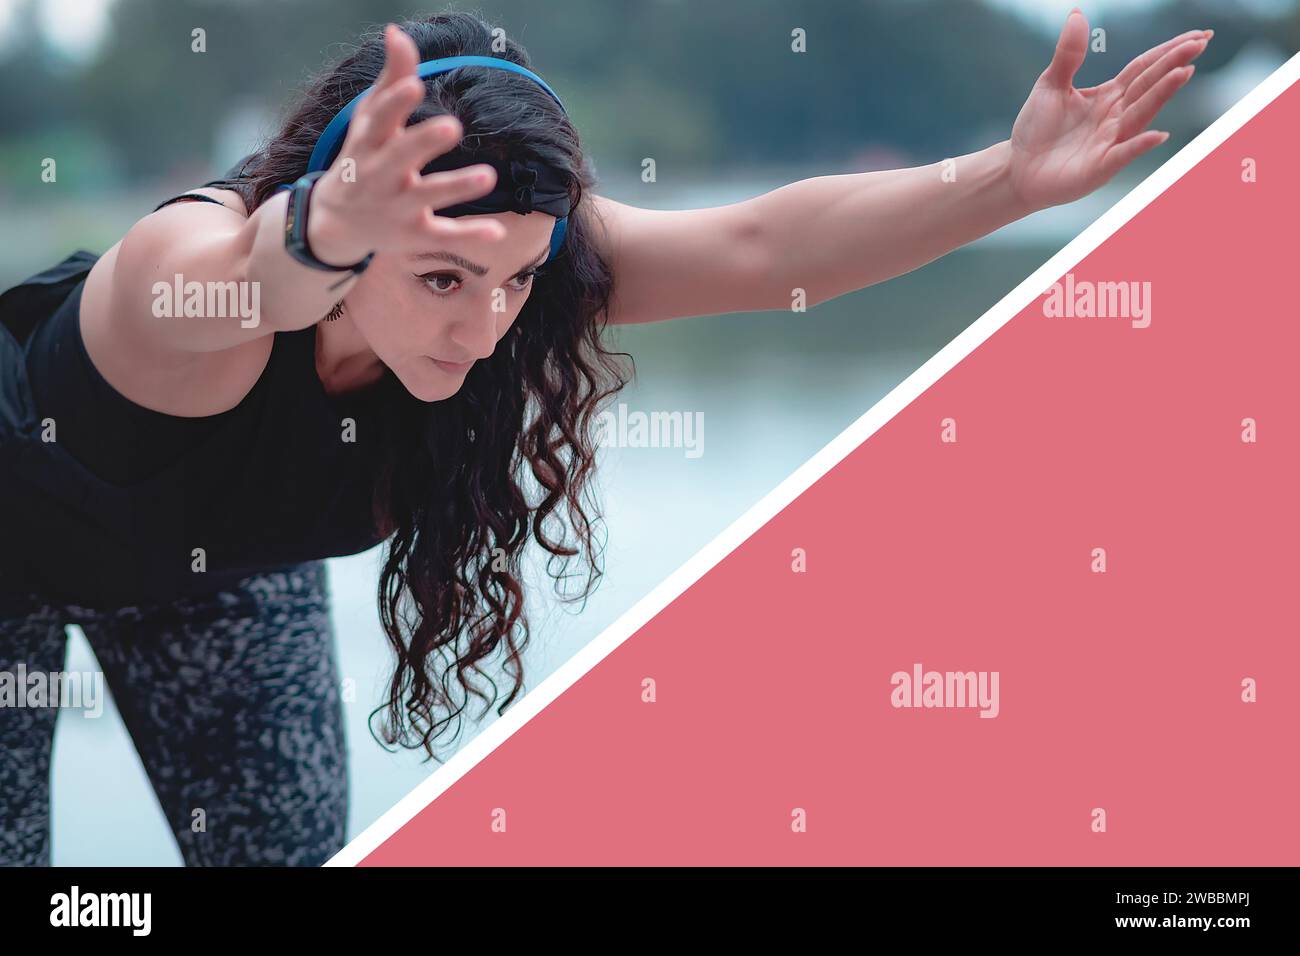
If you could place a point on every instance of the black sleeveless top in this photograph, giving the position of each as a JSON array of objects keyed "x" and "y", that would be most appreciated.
[{"x": 104, "y": 503}]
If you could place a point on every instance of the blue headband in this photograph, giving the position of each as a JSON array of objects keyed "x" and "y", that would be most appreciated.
[{"x": 519, "y": 189}]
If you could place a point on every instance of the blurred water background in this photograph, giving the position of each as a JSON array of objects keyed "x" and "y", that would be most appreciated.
[{"x": 711, "y": 90}]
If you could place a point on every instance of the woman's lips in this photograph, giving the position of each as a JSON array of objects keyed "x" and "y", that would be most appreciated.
[{"x": 455, "y": 368}]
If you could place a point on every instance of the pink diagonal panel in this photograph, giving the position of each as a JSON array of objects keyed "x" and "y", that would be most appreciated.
[{"x": 773, "y": 737}]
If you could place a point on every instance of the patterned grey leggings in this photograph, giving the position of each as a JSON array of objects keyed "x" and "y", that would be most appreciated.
[{"x": 233, "y": 703}]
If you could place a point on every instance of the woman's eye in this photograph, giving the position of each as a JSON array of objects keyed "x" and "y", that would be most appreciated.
[
  {"x": 432, "y": 280},
  {"x": 524, "y": 279}
]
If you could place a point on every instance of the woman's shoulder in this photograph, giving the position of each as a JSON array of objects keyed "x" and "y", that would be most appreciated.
[{"x": 125, "y": 294}]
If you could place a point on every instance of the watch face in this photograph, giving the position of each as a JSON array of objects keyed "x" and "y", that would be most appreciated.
[
  {"x": 288, "y": 217},
  {"x": 295, "y": 225}
]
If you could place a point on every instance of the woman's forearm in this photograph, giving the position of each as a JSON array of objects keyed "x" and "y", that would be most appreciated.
[{"x": 830, "y": 235}]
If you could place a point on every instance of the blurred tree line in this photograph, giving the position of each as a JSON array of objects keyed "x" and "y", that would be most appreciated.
[{"x": 699, "y": 84}]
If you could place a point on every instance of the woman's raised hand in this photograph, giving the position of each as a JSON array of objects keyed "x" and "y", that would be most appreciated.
[
  {"x": 374, "y": 198},
  {"x": 1067, "y": 142}
]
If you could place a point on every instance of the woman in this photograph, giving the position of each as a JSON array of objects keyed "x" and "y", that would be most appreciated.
[{"x": 184, "y": 439}]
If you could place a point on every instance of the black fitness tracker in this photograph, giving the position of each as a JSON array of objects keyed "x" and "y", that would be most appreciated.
[{"x": 295, "y": 230}]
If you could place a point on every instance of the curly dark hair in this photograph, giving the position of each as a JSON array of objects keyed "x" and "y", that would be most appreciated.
[{"x": 453, "y": 495}]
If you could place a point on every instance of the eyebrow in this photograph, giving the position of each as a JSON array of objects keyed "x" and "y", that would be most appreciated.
[{"x": 474, "y": 267}]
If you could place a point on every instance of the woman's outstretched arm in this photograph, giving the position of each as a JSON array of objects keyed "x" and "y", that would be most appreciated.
[
  {"x": 200, "y": 365},
  {"x": 830, "y": 235}
]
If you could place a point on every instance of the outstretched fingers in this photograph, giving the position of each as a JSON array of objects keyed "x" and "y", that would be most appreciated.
[
  {"x": 1139, "y": 63},
  {"x": 1178, "y": 56},
  {"x": 401, "y": 57},
  {"x": 468, "y": 228},
  {"x": 1136, "y": 117},
  {"x": 386, "y": 112},
  {"x": 1071, "y": 48},
  {"x": 423, "y": 142},
  {"x": 395, "y": 93},
  {"x": 449, "y": 187},
  {"x": 1121, "y": 154}
]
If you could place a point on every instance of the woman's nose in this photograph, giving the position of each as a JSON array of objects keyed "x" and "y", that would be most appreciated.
[{"x": 476, "y": 335}]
